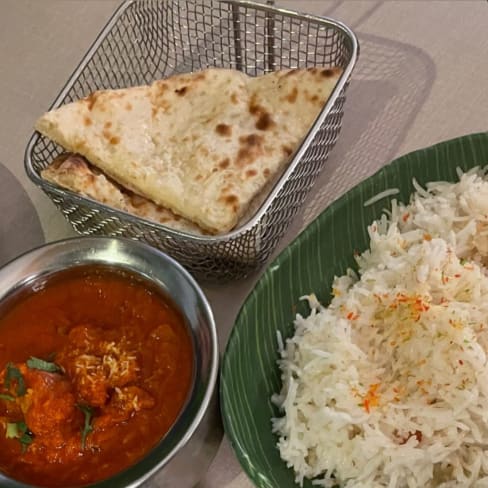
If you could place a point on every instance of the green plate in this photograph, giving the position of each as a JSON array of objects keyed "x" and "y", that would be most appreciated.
[{"x": 249, "y": 373}]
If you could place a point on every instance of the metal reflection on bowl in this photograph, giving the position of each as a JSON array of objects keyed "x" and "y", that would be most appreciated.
[{"x": 184, "y": 454}]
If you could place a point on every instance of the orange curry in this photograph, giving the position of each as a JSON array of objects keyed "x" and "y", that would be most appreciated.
[{"x": 94, "y": 369}]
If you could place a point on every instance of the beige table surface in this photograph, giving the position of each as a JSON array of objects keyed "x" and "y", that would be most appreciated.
[{"x": 422, "y": 78}]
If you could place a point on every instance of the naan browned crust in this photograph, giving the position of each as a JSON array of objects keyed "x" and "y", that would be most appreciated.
[
  {"x": 75, "y": 173},
  {"x": 201, "y": 144}
]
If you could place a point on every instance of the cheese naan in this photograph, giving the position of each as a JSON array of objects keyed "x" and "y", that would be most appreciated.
[
  {"x": 202, "y": 144},
  {"x": 75, "y": 173}
]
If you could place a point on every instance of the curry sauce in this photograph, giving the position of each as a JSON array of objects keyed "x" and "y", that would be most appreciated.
[{"x": 94, "y": 369}]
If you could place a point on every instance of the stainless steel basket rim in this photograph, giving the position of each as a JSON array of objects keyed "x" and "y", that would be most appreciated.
[{"x": 277, "y": 186}]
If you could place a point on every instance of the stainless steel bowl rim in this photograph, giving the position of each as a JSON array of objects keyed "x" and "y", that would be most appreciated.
[{"x": 80, "y": 244}]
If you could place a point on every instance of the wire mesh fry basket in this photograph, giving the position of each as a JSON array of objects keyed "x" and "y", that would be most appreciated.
[{"x": 147, "y": 40}]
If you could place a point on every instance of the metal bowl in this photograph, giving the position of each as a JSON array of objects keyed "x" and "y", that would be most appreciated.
[{"x": 184, "y": 454}]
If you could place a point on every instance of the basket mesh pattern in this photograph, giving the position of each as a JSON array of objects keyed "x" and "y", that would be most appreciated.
[{"x": 151, "y": 39}]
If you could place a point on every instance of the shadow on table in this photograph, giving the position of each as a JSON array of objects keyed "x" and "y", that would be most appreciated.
[
  {"x": 20, "y": 228},
  {"x": 389, "y": 86}
]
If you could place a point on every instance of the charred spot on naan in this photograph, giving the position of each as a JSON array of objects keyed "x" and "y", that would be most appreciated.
[
  {"x": 111, "y": 138},
  {"x": 251, "y": 173},
  {"x": 313, "y": 98},
  {"x": 158, "y": 98},
  {"x": 158, "y": 104},
  {"x": 181, "y": 91},
  {"x": 250, "y": 149},
  {"x": 102, "y": 99},
  {"x": 161, "y": 86},
  {"x": 287, "y": 150},
  {"x": 292, "y": 96},
  {"x": 291, "y": 72},
  {"x": 202, "y": 150},
  {"x": 202, "y": 75},
  {"x": 91, "y": 99},
  {"x": 223, "y": 130},
  {"x": 264, "y": 120},
  {"x": 330, "y": 72},
  {"x": 325, "y": 72},
  {"x": 225, "y": 163},
  {"x": 230, "y": 200},
  {"x": 136, "y": 200},
  {"x": 251, "y": 140},
  {"x": 254, "y": 108}
]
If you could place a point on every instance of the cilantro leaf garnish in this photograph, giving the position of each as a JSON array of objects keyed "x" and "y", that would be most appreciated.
[
  {"x": 7, "y": 397},
  {"x": 87, "y": 427},
  {"x": 20, "y": 431},
  {"x": 26, "y": 440},
  {"x": 13, "y": 373},
  {"x": 40, "y": 364}
]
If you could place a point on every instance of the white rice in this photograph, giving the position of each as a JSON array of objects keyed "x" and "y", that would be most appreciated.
[
  {"x": 388, "y": 385},
  {"x": 379, "y": 196}
]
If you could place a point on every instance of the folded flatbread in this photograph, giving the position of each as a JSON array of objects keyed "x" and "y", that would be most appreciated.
[
  {"x": 75, "y": 173},
  {"x": 202, "y": 144}
]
